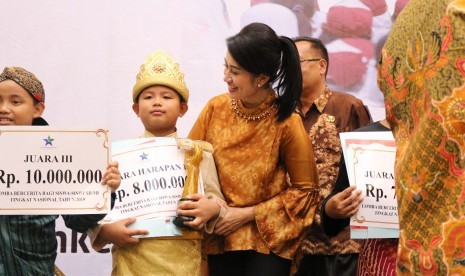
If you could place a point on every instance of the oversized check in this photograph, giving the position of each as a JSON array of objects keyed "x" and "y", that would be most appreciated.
[
  {"x": 370, "y": 158},
  {"x": 153, "y": 176},
  {"x": 45, "y": 170}
]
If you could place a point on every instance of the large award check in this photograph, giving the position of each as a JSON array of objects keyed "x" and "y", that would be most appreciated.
[
  {"x": 370, "y": 158},
  {"x": 45, "y": 170},
  {"x": 153, "y": 176}
]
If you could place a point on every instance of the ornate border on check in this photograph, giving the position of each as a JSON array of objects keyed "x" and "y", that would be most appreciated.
[{"x": 99, "y": 206}]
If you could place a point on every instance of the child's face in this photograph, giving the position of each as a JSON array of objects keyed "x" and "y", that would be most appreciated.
[
  {"x": 17, "y": 105},
  {"x": 159, "y": 108}
]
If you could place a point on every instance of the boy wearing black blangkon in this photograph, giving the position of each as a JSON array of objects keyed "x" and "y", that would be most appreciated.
[{"x": 27, "y": 242}]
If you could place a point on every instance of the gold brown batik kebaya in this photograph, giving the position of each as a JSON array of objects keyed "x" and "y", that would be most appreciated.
[{"x": 252, "y": 159}]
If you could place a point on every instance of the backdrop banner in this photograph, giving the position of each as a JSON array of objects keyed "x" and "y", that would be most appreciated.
[{"x": 87, "y": 54}]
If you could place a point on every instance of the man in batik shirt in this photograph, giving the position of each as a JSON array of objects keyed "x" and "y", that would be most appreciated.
[{"x": 325, "y": 114}]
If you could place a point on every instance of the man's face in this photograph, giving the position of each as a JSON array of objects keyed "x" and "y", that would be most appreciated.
[
  {"x": 17, "y": 105},
  {"x": 312, "y": 64}
]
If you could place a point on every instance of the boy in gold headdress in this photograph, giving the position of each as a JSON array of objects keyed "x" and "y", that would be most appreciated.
[{"x": 160, "y": 97}]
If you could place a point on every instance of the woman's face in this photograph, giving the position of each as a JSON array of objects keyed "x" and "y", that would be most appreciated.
[{"x": 242, "y": 85}]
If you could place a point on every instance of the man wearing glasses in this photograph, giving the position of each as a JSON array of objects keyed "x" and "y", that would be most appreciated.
[{"x": 325, "y": 114}]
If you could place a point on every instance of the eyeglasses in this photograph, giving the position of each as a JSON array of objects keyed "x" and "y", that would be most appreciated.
[{"x": 310, "y": 59}]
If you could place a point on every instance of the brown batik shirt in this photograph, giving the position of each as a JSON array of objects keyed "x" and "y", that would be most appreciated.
[{"x": 330, "y": 114}]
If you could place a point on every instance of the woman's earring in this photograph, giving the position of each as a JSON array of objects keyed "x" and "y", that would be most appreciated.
[{"x": 259, "y": 85}]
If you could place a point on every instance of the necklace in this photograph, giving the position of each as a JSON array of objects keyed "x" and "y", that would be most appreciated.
[
  {"x": 255, "y": 105},
  {"x": 265, "y": 113}
]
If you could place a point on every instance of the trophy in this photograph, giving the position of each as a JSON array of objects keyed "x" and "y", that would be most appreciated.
[{"x": 192, "y": 159}]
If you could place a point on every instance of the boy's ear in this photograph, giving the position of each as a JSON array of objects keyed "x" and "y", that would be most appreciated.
[
  {"x": 183, "y": 109},
  {"x": 135, "y": 107},
  {"x": 38, "y": 110}
]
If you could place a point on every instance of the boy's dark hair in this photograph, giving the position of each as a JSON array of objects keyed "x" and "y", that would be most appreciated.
[{"x": 181, "y": 99}]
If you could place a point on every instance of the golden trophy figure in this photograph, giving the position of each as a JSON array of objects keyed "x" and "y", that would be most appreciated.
[{"x": 193, "y": 157}]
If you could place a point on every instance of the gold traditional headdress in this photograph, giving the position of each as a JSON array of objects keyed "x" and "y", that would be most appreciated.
[{"x": 160, "y": 69}]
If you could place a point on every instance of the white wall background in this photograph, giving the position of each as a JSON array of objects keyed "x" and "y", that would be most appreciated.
[{"x": 87, "y": 53}]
